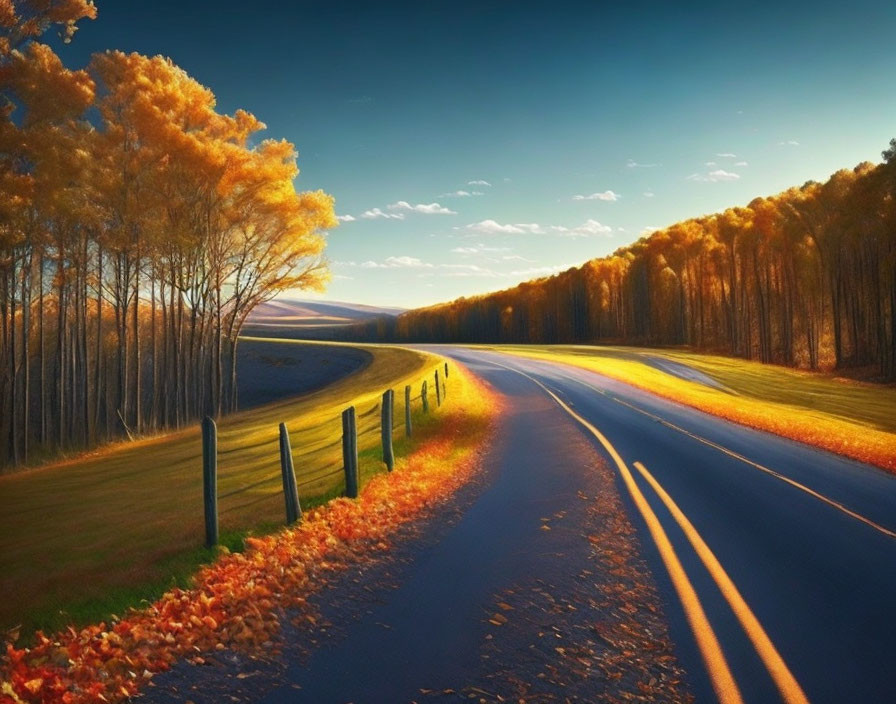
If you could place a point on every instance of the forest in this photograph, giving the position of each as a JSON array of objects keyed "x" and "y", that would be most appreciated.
[
  {"x": 804, "y": 278},
  {"x": 138, "y": 229}
]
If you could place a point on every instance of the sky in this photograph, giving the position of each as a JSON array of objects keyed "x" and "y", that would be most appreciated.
[{"x": 473, "y": 145}]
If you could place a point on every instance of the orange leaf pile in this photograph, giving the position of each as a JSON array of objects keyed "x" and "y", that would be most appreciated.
[{"x": 238, "y": 600}]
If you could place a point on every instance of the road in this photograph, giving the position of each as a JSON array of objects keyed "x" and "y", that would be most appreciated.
[
  {"x": 813, "y": 558},
  {"x": 769, "y": 568}
]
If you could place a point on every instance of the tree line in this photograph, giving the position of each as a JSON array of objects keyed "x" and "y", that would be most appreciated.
[
  {"x": 804, "y": 278},
  {"x": 139, "y": 227}
]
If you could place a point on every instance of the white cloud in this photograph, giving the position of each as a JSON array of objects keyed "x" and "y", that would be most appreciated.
[
  {"x": 474, "y": 270},
  {"x": 492, "y": 227},
  {"x": 461, "y": 194},
  {"x": 727, "y": 155},
  {"x": 467, "y": 270},
  {"x": 605, "y": 195},
  {"x": 789, "y": 143},
  {"x": 589, "y": 228},
  {"x": 649, "y": 194},
  {"x": 632, "y": 164},
  {"x": 740, "y": 163},
  {"x": 478, "y": 182},
  {"x": 406, "y": 261},
  {"x": 714, "y": 176},
  {"x": 426, "y": 269},
  {"x": 709, "y": 163},
  {"x": 424, "y": 208},
  {"x": 375, "y": 213},
  {"x": 402, "y": 262},
  {"x": 479, "y": 249},
  {"x": 647, "y": 230},
  {"x": 346, "y": 218},
  {"x": 541, "y": 270}
]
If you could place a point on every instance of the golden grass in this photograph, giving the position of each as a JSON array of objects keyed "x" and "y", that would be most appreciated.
[
  {"x": 88, "y": 535},
  {"x": 850, "y": 418}
]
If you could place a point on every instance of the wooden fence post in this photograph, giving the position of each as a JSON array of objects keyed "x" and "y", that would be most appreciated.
[
  {"x": 425, "y": 398},
  {"x": 407, "y": 411},
  {"x": 210, "y": 479},
  {"x": 386, "y": 428},
  {"x": 290, "y": 489},
  {"x": 350, "y": 452},
  {"x": 438, "y": 390}
]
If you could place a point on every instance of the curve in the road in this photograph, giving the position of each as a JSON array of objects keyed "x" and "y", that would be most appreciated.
[
  {"x": 746, "y": 460},
  {"x": 722, "y": 679},
  {"x": 803, "y": 606}
]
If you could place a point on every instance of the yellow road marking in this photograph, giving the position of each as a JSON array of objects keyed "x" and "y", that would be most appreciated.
[
  {"x": 717, "y": 666},
  {"x": 790, "y": 690},
  {"x": 746, "y": 460}
]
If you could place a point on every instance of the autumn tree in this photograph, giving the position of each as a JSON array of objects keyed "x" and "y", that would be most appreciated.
[
  {"x": 133, "y": 244},
  {"x": 805, "y": 278}
]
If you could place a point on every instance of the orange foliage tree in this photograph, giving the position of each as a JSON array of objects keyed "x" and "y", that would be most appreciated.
[
  {"x": 138, "y": 229},
  {"x": 804, "y": 278}
]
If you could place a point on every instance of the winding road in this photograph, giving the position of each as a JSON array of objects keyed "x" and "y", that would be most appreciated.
[
  {"x": 790, "y": 551},
  {"x": 773, "y": 567}
]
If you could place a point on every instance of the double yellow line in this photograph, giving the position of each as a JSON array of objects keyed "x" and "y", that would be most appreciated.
[
  {"x": 711, "y": 651},
  {"x": 746, "y": 460}
]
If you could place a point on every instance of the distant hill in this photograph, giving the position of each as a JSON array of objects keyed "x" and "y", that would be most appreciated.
[{"x": 319, "y": 320}]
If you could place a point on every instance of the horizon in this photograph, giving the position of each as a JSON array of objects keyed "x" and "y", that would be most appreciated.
[{"x": 470, "y": 148}]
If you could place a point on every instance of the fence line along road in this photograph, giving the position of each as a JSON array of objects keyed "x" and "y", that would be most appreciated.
[{"x": 349, "y": 442}]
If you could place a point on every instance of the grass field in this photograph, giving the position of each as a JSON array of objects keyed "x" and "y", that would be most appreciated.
[
  {"x": 85, "y": 538},
  {"x": 851, "y": 418}
]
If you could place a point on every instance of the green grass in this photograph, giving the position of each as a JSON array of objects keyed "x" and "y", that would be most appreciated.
[
  {"x": 853, "y": 418},
  {"x": 90, "y": 537}
]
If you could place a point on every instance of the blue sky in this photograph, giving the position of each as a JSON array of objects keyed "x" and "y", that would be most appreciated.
[{"x": 573, "y": 127}]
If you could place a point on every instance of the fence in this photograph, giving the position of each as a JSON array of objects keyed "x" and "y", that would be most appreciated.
[{"x": 357, "y": 427}]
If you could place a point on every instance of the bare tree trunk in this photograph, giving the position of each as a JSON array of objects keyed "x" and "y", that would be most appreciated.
[
  {"x": 85, "y": 357},
  {"x": 13, "y": 376},
  {"x": 26, "y": 353},
  {"x": 154, "y": 413},
  {"x": 99, "y": 381},
  {"x": 43, "y": 355},
  {"x": 60, "y": 352},
  {"x": 179, "y": 367},
  {"x": 138, "y": 376},
  {"x": 219, "y": 380}
]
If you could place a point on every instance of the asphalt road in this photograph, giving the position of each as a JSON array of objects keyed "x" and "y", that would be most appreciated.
[
  {"x": 773, "y": 564},
  {"x": 813, "y": 558}
]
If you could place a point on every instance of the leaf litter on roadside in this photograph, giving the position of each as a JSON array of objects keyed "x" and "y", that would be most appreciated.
[{"x": 237, "y": 602}]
